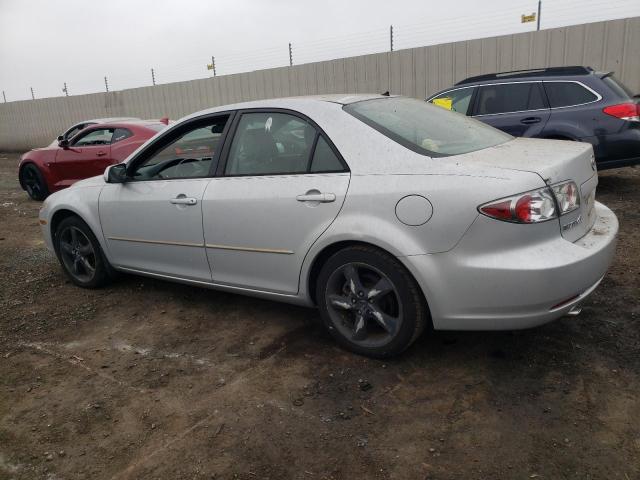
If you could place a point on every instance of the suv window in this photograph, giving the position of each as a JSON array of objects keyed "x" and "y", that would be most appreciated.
[
  {"x": 189, "y": 156},
  {"x": 270, "y": 143},
  {"x": 101, "y": 136},
  {"x": 121, "y": 134},
  {"x": 424, "y": 128},
  {"x": 509, "y": 97},
  {"x": 455, "y": 100},
  {"x": 565, "y": 94}
]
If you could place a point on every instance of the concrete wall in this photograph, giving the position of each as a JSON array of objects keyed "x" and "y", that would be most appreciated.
[{"x": 416, "y": 72}]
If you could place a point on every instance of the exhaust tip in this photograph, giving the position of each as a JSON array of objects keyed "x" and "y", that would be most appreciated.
[{"x": 575, "y": 311}]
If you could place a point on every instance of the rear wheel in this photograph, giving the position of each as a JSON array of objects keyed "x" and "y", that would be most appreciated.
[
  {"x": 80, "y": 254},
  {"x": 369, "y": 302},
  {"x": 33, "y": 182}
]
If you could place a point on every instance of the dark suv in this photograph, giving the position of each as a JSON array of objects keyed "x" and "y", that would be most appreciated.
[{"x": 572, "y": 103}]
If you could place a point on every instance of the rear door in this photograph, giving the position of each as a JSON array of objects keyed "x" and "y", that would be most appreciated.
[
  {"x": 282, "y": 185},
  {"x": 518, "y": 108},
  {"x": 87, "y": 155}
]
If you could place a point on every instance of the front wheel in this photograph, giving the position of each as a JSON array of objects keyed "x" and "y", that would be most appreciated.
[
  {"x": 33, "y": 182},
  {"x": 80, "y": 254},
  {"x": 369, "y": 302}
]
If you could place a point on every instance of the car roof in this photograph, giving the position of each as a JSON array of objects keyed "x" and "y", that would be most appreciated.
[
  {"x": 303, "y": 103},
  {"x": 108, "y": 120},
  {"x": 131, "y": 123},
  {"x": 530, "y": 74}
]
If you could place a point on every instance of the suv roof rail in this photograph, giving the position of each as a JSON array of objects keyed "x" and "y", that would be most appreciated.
[{"x": 533, "y": 72}]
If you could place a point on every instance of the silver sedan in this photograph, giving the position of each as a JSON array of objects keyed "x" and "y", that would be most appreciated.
[{"x": 386, "y": 213}]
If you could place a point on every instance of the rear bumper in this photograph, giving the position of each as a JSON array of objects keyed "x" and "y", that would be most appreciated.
[
  {"x": 619, "y": 149},
  {"x": 483, "y": 286}
]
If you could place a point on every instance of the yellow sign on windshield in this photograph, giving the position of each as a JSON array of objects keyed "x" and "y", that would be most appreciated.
[{"x": 444, "y": 102}]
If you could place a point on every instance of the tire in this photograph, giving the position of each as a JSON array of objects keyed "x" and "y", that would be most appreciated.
[
  {"x": 80, "y": 254},
  {"x": 376, "y": 322},
  {"x": 33, "y": 182}
]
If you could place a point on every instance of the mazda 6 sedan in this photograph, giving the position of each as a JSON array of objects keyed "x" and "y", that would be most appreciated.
[{"x": 385, "y": 213}]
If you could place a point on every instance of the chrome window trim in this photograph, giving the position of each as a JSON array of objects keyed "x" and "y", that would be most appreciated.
[{"x": 598, "y": 96}]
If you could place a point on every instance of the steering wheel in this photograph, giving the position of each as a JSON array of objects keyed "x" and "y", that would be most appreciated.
[{"x": 189, "y": 167}]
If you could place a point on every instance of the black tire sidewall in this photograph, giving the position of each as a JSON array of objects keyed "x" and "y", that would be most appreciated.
[
  {"x": 43, "y": 185},
  {"x": 412, "y": 302},
  {"x": 103, "y": 268}
]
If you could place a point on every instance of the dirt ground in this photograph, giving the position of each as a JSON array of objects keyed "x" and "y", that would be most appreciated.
[{"x": 153, "y": 380}]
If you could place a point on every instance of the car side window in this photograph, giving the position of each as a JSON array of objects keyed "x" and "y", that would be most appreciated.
[
  {"x": 455, "y": 100},
  {"x": 509, "y": 97},
  {"x": 565, "y": 94},
  {"x": 324, "y": 159},
  {"x": 101, "y": 136},
  {"x": 121, "y": 134},
  {"x": 73, "y": 131},
  {"x": 191, "y": 155},
  {"x": 269, "y": 144}
]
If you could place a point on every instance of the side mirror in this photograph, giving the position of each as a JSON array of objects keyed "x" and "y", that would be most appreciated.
[
  {"x": 60, "y": 138},
  {"x": 63, "y": 142},
  {"x": 116, "y": 173}
]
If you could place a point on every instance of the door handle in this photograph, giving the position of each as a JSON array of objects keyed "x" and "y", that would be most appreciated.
[
  {"x": 317, "y": 197},
  {"x": 101, "y": 153},
  {"x": 183, "y": 200},
  {"x": 530, "y": 120}
]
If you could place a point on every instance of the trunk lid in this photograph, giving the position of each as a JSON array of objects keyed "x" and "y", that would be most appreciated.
[{"x": 554, "y": 161}]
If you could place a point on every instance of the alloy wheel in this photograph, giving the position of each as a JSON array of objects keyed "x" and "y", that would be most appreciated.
[
  {"x": 78, "y": 254},
  {"x": 363, "y": 304},
  {"x": 32, "y": 182}
]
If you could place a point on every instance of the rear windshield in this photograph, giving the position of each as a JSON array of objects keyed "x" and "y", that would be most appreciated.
[
  {"x": 618, "y": 88},
  {"x": 424, "y": 128}
]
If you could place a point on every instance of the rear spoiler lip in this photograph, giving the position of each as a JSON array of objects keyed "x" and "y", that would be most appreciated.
[{"x": 603, "y": 75}]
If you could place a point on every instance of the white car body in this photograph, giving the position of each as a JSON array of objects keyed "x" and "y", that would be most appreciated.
[{"x": 250, "y": 235}]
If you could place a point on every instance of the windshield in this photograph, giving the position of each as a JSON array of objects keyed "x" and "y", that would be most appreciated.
[{"x": 425, "y": 128}]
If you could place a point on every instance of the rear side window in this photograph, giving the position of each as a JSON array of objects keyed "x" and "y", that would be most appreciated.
[
  {"x": 324, "y": 160},
  {"x": 121, "y": 134},
  {"x": 566, "y": 94},
  {"x": 425, "y": 128},
  {"x": 455, "y": 100},
  {"x": 509, "y": 97}
]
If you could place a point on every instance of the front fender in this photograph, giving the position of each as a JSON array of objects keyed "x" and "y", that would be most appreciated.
[{"x": 80, "y": 201}]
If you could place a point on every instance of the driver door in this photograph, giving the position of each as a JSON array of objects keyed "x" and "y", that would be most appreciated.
[
  {"x": 153, "y": 222},
  {"x": 88, "y": 154}
]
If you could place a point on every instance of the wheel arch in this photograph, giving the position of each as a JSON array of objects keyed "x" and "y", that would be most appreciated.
[
  {"x": 559, "y": 136},
  {"x": 59, "y": 216},
  {"x": 325, "y": 253}
]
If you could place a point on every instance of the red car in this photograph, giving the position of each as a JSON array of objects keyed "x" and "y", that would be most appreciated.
[{"x": 88, "y": 153}]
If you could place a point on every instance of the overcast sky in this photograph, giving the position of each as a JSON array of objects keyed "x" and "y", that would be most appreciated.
[{"x": 44, "y": 43}]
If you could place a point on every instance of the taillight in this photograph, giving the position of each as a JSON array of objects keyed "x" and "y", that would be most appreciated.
[
  {"x": 530, "y": 207},
  {"x": 567, "y": 196},
  {"x": 535, "y": 206},
  {"x": 624, "y": 111}
]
